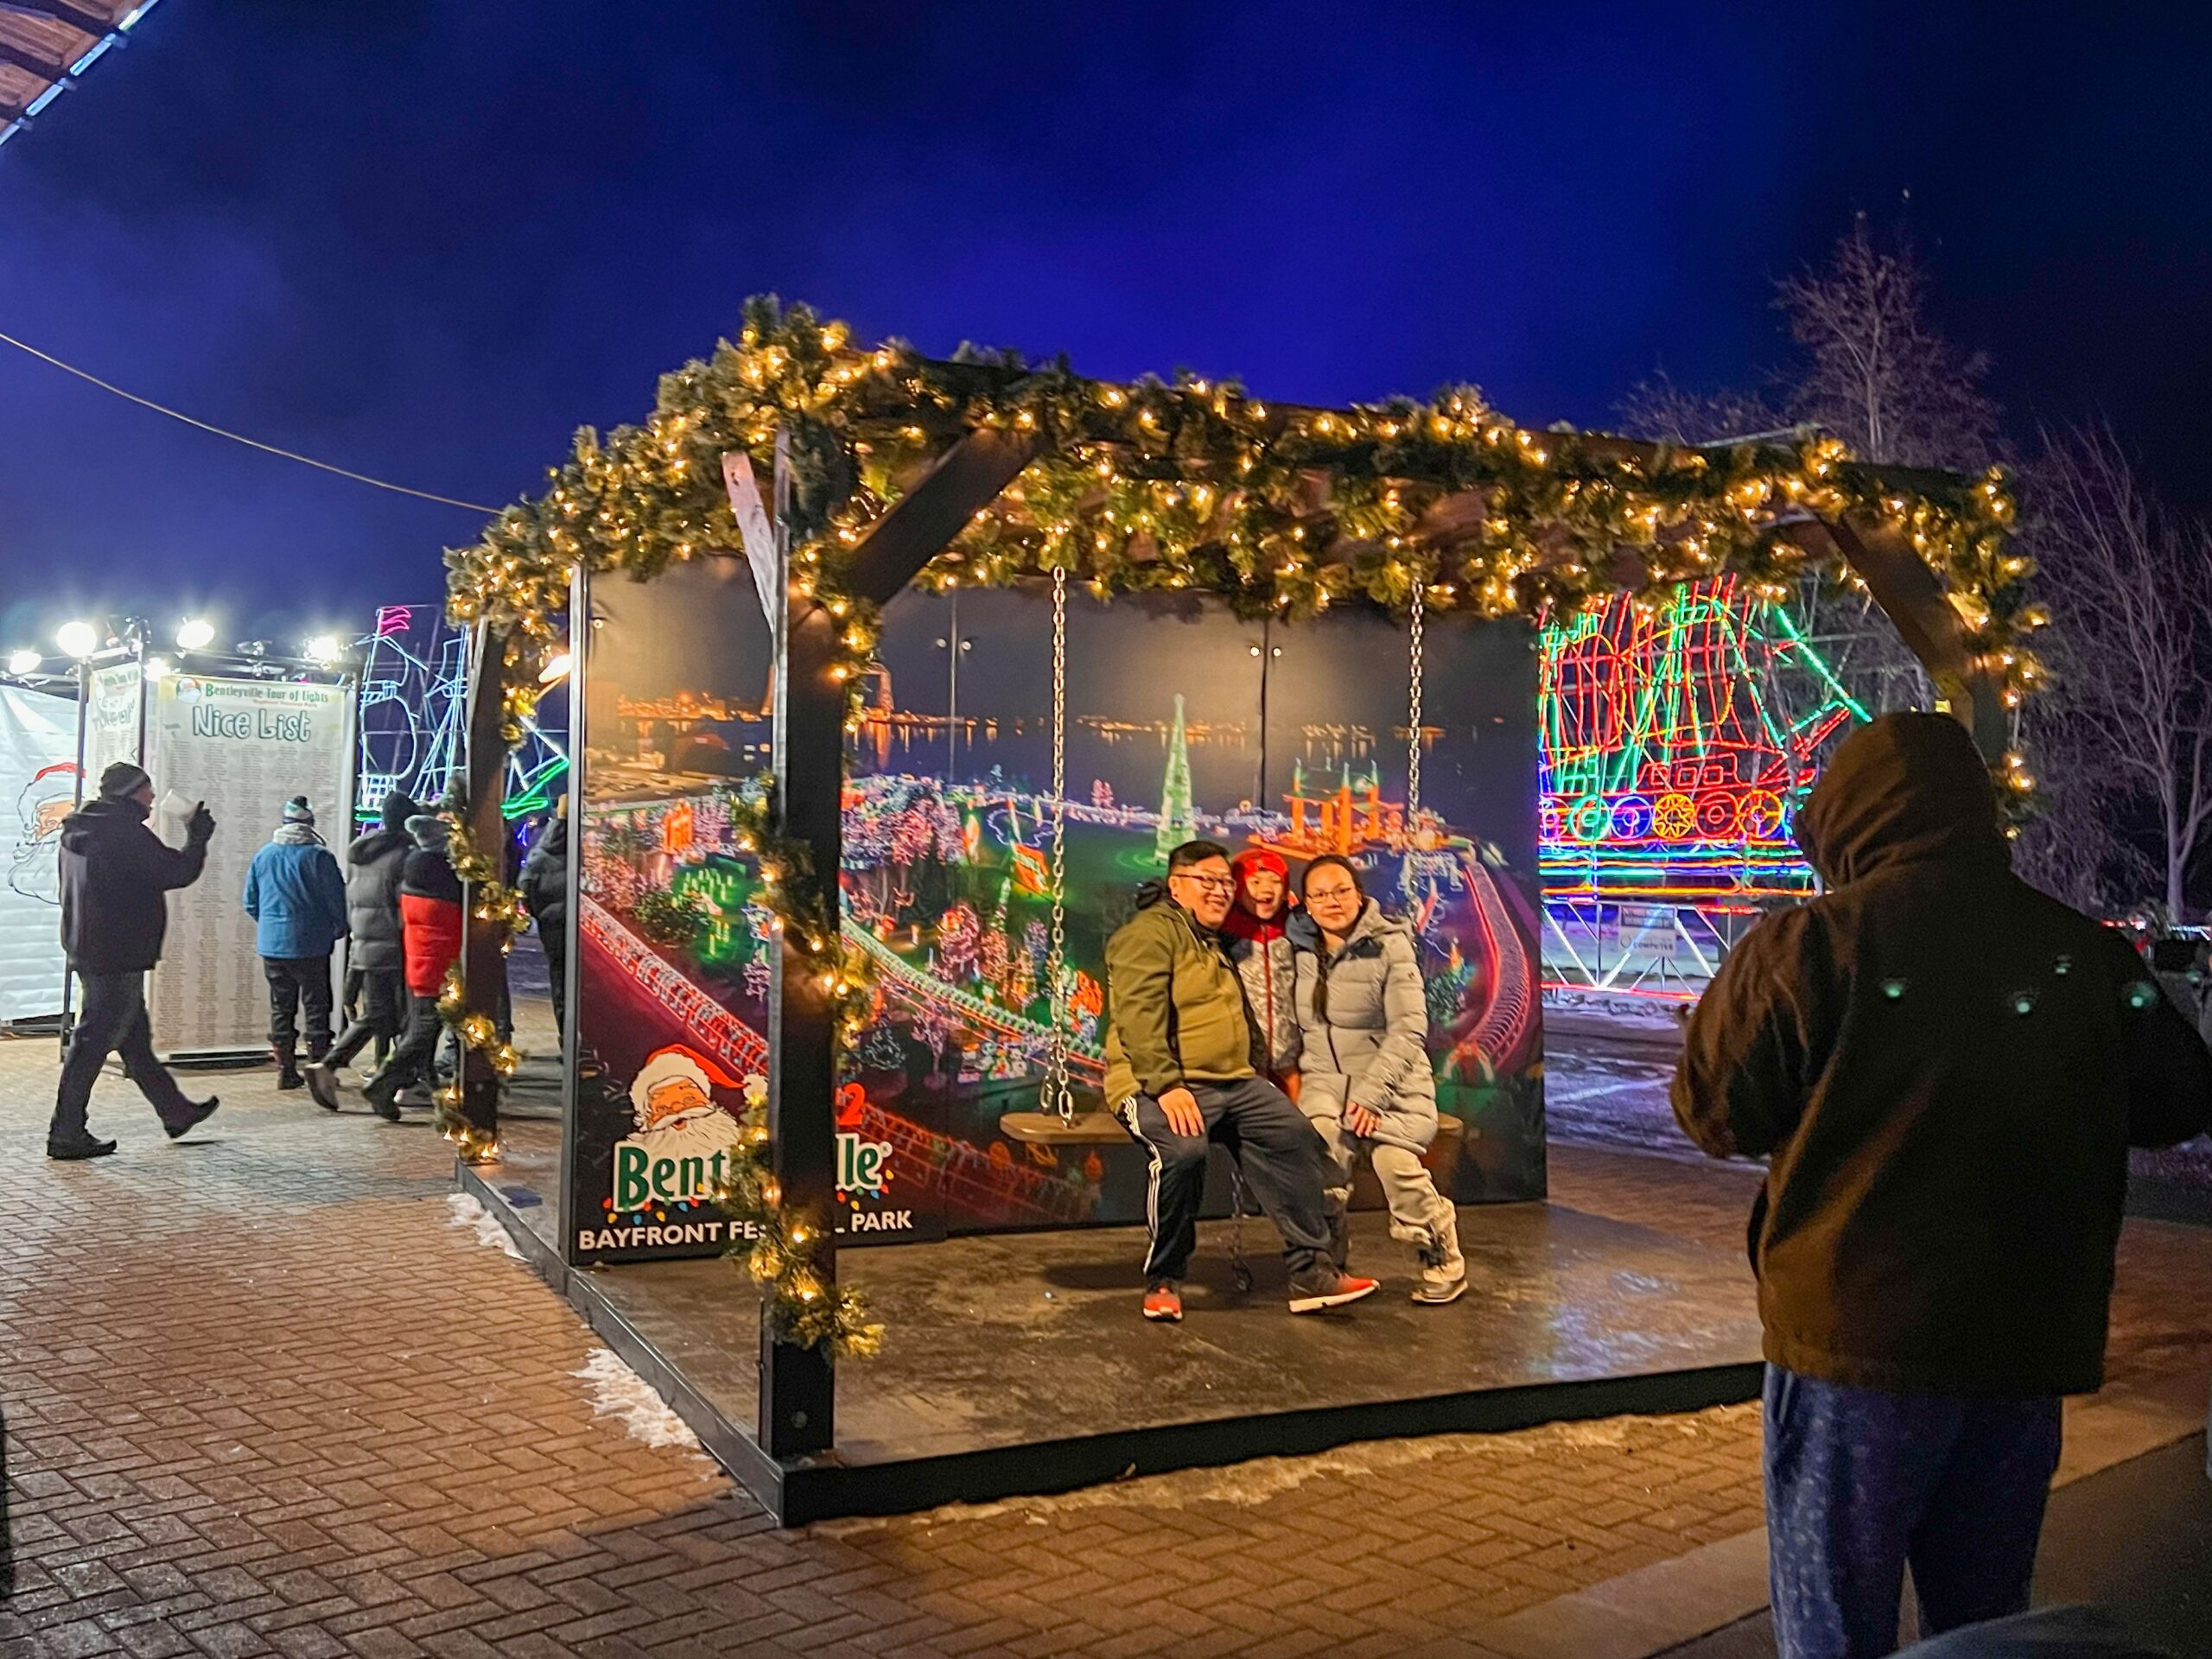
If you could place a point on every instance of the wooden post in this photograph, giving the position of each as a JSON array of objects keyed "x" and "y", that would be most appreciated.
[
  {"x": 483, "y": 962},
  {"x": 798, "y": 1385},
  {"x": 1913, "y": 600}
]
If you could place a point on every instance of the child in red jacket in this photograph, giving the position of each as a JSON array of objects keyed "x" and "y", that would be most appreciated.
[{"x": 430, "y": 935}]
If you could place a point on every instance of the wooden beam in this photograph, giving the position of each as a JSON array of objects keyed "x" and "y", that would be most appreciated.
[
  {"x": 85, "y": 18},
  {"x": 798, "y": 1385},
  {"x": 1914, "y": 600},
  {"x": 922, "y": 523},
  {"x": 28, "y": 61}
]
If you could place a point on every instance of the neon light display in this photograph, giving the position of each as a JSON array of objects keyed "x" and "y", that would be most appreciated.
[
  {"x": 414, "y": 710},
  {"x": 1677, "y": 742}
]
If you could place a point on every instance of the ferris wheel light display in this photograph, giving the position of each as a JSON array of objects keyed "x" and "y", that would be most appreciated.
[
  {"x": 414, "y": 714},
  {"x": 1678, "y": 740}
]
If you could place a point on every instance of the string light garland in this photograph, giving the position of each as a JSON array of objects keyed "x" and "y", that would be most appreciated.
[
  {"x": 781, "y": 1257},
  {"x": 1195, "y": 486},
  {"x": 1157, "y": 486},
  {"x": 491, "y": 900}
]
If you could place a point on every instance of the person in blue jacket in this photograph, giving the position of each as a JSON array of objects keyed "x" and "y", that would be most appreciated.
[{"x": 296, "y": 896}]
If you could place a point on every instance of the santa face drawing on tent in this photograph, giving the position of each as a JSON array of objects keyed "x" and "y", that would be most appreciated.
[
  {"x": 36, "y": 870},
  {"x": 679, "y": 1148}
]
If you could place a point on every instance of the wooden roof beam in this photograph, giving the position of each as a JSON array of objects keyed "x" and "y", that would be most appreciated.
[
  {"x": 923, "y": 522},
  {"x": 45, "y": 69}
]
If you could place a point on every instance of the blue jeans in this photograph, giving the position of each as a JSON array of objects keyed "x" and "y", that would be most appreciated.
[{"x": 1859, "y": 1482}]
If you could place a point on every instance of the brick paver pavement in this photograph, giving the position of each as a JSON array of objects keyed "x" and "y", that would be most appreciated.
[{"x": 264, "y": 1397}]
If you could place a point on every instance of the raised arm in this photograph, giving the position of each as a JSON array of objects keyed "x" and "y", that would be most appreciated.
[
  {"x": 2168, "y": 1071},
  {"x": 1739, "y": 1087}
]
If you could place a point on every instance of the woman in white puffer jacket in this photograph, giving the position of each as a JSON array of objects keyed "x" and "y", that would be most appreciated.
[{"x": 1367, "y": 1082}]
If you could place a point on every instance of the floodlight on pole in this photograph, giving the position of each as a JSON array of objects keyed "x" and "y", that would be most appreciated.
[
  {"x": 22, "y": 662},
  {"x": 193, "y": 633},
  {"x": 323, "y": 650},
  {"x": 78, "y": 639},
  {"x": 158, "y": 668}
]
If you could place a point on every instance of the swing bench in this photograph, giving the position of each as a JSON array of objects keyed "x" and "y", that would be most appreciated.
[{"x": 1057, "y": 1122}]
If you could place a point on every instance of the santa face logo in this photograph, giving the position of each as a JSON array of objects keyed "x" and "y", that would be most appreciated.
[
  {"x": 680, "y": 1149},
  {"x": 35, "y": 870}
]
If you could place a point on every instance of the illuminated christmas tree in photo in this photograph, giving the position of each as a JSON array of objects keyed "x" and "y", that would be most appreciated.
[
  {"x": 1679, "y": 739},
  {"x": 1178, "y": 818}
]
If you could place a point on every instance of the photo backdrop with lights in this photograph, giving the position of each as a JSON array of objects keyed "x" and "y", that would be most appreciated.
[{"x": 1181, "y": 719}]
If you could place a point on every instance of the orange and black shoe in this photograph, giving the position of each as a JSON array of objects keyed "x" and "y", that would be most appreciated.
[
  {"x": 1324, "y": 1286},
  {"x": 1163, "y": 1300}
]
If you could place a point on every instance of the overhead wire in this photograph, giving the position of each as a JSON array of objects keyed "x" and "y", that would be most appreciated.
[{"x": 238, "y": 438}]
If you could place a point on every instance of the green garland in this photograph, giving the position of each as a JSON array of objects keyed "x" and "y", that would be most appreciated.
[
  {"x": 801, "y": 1309},
  {"x": 1154, "y": 486},
  {"x": 1196, "y": 486}
]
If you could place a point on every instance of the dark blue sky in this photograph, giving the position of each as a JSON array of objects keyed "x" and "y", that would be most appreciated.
[{"x": 426, "y": 241}]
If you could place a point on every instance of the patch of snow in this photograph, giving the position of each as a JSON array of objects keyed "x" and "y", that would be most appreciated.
[
  {"x": 464, "y": 1211},
  {"x": 617, "y": 1391}
]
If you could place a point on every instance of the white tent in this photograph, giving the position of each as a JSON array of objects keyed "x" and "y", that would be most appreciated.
[{"x": 38, "y": 785}]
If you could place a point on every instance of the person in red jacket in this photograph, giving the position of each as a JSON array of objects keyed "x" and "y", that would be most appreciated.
[{"x": 430, "y": 933}]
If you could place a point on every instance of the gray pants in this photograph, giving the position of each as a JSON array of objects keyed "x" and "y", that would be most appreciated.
[{"x": 1420, "y": 1215}]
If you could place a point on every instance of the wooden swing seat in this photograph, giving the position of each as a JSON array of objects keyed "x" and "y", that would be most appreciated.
[
  {"x": 1104, "y": 1129},
  {"x": 1046, "y": 1129}
]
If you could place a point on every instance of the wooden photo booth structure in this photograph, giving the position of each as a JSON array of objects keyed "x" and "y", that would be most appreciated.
[{"x": 1376, "y": 506}]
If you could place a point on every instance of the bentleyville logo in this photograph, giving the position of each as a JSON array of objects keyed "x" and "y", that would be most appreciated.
[{"x": 683, "y": 1144}]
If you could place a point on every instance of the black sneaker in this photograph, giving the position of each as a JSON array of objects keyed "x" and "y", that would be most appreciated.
[
  {"x": 199, "y": 1112},
  {"x": 289, "y": 1077},
  {"x": 71, "y": 1149},
  {"x": 322, "y": 1084},
  {"x": 1324, "y": 1286}
]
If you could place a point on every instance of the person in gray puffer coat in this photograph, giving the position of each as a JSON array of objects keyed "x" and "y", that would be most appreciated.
[
  {"x": 373, "y": 865},
  {"x": 1366, "y": 1081}
]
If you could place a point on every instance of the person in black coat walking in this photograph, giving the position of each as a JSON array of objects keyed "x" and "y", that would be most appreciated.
[
  {"x": 546, "y": 892},
  {"x": 374, "y": 866},
  {"x": 116, "y": 876}
]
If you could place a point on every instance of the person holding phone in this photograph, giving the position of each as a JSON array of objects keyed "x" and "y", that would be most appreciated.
[{"x": 116, "y": 876}]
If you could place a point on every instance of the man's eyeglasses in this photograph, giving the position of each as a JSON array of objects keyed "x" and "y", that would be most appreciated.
[{"x": 1210, "y": 883}]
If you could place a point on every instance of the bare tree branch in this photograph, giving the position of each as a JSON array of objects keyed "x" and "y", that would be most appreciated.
[
  {"x": 1880, "y": 376},
  {"x": 2132, "y": 707}
]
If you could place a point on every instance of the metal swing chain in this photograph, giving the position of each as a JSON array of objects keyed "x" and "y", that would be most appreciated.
[
  {"x": 1058, "y": 1093},
  {"x": 1413, "y": 708}
]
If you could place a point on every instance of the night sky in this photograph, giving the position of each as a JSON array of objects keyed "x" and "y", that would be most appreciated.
[{"x": 426, "y": 241}]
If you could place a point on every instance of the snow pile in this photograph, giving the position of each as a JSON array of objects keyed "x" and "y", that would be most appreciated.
[
  {"x": 464, "y": 1211},
  {"x": 617, "y": 1391}
]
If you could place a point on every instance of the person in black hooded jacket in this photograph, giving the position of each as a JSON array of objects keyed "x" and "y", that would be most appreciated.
[
  {"x": 374, "y": 866},
  {"x": 1945, "y": 1069},
  {"x": 116, "y": 878},
  {"x": 546, "y": 892}
]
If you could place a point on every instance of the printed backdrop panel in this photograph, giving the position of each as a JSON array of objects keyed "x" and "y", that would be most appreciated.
[
  {"x": 38, "y": 785},
  {"x": 671, "y": 960},
  {"x": 244, "y": 746},
  {"x": 1181, "y": 721}
]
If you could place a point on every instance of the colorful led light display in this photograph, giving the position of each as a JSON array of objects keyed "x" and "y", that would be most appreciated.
[
  {"x": 1678, "y": 740},
  {"x": 414, "y": 707}
]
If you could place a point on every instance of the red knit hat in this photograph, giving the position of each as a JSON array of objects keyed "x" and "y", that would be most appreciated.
[{"x": 1260, "y": 858}]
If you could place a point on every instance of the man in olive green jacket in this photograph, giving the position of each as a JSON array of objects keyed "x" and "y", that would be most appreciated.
[{"x": 1181, "y": 1074}]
